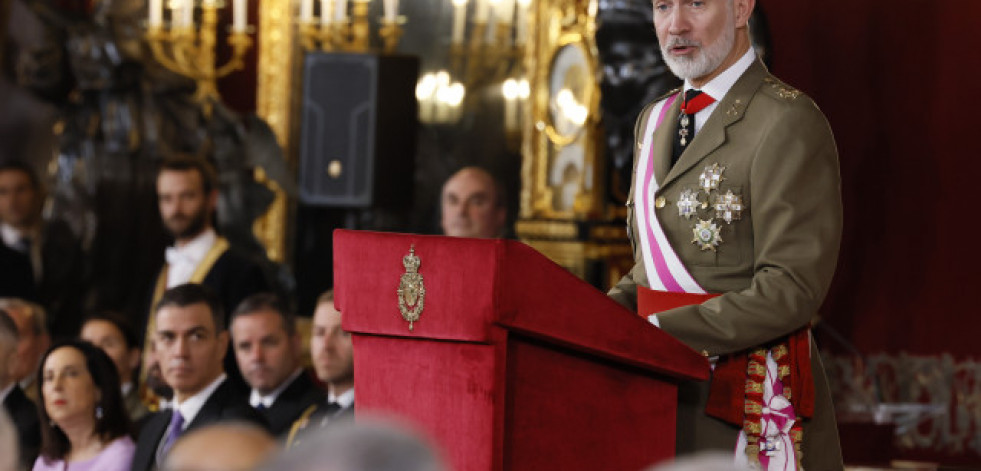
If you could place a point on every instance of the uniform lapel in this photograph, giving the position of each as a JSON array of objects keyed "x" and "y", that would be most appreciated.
[{"x": 713, "y": 134}]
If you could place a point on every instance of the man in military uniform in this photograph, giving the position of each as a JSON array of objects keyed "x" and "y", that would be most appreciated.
[
  {"x": 332, "y": 356},
  {"x": 736, "y": 194}
]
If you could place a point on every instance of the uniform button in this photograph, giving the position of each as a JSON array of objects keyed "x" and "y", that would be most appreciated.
[{"x": 659, "y": 202}]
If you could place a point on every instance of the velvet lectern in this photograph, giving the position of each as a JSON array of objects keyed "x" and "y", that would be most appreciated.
[{"x": 509, "y": 362}]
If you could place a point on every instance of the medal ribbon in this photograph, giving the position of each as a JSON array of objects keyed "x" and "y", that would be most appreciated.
[{"x": 665, "y": 272}]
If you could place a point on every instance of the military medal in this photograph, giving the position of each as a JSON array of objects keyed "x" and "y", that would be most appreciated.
[
  {"x": 683, "y": 129},
  {"x": 706, "y": 235},
  {"x": 728, "y": 207},
  {"x": 688, "y": 203},
  {"x": 711, "y": 177}
]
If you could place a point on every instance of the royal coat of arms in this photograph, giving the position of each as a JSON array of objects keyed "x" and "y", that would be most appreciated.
[{"x": 412, "y": 291}]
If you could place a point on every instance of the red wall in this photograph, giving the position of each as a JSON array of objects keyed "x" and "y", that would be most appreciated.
[{"x": 899, "y": 82}]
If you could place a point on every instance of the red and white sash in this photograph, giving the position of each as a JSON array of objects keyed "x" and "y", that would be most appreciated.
[{"x": 665, "y": 272}]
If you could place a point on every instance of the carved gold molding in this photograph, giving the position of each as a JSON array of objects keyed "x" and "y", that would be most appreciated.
[{"x": 273, "y": 98}]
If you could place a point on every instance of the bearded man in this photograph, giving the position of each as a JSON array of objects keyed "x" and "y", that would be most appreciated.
[
  {"x": 187, "y": 194},
  {"x": 735, "y": 208}
]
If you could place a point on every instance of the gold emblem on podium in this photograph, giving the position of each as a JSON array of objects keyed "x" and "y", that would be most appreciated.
[{"x": 412, "y": 291}]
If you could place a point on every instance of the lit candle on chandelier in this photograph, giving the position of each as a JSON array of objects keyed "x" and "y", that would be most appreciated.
[
  {"x": 483, "y": 10},
  {"x": 155, "y": 10},
  {"x": 326, "y": 6},
  {"x": 340, "y": 11},
  {"x": 391, "y": 10},
  {"x": 306, "y": 11},
  {"x": 459, "y": 20},
  {"x": 240, "y": 15},
  {"x": 187, "y": 14}
]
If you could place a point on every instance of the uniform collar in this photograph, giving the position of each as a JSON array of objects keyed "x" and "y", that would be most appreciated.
[{"x": 267, "y": 401}]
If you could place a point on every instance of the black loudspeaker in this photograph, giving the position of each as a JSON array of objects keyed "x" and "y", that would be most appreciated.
[{"x": 358, "y": 131}]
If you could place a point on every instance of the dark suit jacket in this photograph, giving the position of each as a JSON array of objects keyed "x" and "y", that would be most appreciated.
[
  {"x": 296, "y": 398},
  {"x": 24, "y": 414},
  {"x": 61, "y": 289},
  {"x": 226, "y": 403},
  {"x": 16, "y": 275}
]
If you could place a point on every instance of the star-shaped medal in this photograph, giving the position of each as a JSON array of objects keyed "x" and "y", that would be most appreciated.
[
  {"x": 711, "y": 177},
  {"x": 728, "y": 207},
  {"x": 706, "y": 235},
  {"x": 688, "y": 203}
]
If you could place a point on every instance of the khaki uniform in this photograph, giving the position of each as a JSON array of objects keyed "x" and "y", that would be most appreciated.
[{"x": 774, "y": 264}]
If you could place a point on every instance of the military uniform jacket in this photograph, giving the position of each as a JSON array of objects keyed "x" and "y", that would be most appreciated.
[{"x": 774, "y": 264}]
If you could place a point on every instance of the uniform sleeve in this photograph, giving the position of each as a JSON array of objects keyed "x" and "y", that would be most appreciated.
[{"x": 796, "y": 216}]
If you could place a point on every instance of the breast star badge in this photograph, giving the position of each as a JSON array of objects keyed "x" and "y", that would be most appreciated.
[
  {"x": 707, "y": 235},
  {"x": 711, "y": 177},
  {"x": 688, "y": 203},
  {"x": 728, "y": 207}
]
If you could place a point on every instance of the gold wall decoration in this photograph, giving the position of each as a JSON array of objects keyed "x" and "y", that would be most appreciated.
[
  {"x": 565, "y": 213},
  {"x": 561, "y": 176},
  {"x": 273, "y": 98}
]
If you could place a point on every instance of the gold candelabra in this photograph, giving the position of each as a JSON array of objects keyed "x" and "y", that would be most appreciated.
[
  {"x": 340, "y": 33},
  {"x": 190, "y": 51}
]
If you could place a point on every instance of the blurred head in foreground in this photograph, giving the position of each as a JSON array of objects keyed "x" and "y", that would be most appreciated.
[
  {"x": 227, "y": 446},
  {"x": 370, "y": 445}
]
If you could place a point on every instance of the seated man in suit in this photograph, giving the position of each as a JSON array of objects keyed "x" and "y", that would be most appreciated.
[
  {"x": 190, "y": 341},
  {"x": 50, "y": 246},
  {"x": 333, "y": 358},
  {"x": 269, "y": 352},
  {"x": 473, "y": 205},
  {"x": 21, "y": 409}
]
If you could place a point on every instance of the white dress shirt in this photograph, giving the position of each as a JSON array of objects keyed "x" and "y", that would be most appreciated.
[
  {"x": 720, "y": 85},
  {"x": 182, "y": 261}
]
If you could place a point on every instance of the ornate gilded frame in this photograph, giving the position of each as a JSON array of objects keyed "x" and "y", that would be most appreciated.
[{"x": 560, "y": 25}]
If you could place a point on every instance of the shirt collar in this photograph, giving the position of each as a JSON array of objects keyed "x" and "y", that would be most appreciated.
[
  {"x": 720, "y": 85},
  {"x": 267, "y": 401},
  {"x": 345, "y": 400},
  {"x": 11, "y": 236},
  {"x": 199, "y": 246},
  {"x": 6, "y": 392},
  {"x": 192, "y": 405}
]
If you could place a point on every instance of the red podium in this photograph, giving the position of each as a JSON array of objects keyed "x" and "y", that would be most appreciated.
[{"x": 513, "y": 363}]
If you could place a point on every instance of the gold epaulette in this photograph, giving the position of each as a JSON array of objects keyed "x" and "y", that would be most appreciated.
[
  {"x": 783, "y": 90},
  {"x": 299, "y": 424}
]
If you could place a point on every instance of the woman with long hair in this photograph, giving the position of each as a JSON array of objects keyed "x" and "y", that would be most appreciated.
[{"x": 84, "y": 426}]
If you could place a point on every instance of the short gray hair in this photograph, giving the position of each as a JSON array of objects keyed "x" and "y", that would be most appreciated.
[
  {"x": 35, "y": 313},
  {"x": 371, "y": 445}
]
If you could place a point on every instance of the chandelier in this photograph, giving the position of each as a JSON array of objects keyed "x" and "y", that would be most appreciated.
[
  {"x": 188, "y": 49},
  {"x": 336, "y": 31},
  {"x": 486, "y": 48}
]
